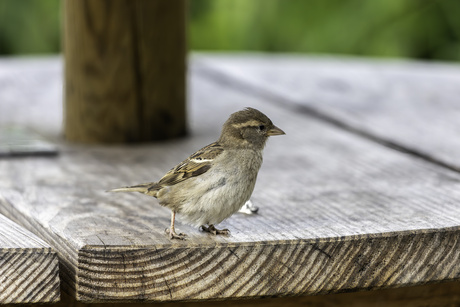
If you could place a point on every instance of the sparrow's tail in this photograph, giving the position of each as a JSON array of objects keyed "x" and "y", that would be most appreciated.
[{"x": 150, "y": 188}]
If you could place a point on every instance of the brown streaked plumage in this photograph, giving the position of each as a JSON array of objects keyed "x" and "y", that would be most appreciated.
[{"x": 216, "y": 181}]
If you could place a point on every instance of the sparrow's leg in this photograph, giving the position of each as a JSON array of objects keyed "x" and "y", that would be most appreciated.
[
  {"x": 172, "y": 231},
  {"x": 214, "y": 230}
]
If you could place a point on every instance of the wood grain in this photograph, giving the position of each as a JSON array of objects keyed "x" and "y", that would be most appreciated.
[
  {"x": 412, "y": 106},
  {"x": 125, "y": 70},
  {"x": 28, "y": 267},
  {"x": 337, "y": 213}
]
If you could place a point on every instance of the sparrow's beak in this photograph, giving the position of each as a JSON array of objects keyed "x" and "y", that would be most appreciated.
[{"x": 275, "y": 131}]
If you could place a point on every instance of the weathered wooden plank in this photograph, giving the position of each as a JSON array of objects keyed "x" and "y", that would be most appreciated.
[
  {"x": 22, "y": 97},
  {"x": 29, "y": 271},
  {"x": 338, "y": 213},
  {"x": 410, "y": 105}
]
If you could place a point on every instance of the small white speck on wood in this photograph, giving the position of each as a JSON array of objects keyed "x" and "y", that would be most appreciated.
[{"x": 249, "y": 208}]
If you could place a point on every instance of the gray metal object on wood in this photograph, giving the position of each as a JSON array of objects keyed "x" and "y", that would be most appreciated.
[
  {"x": 28, "y": 267},
  {"x": 19, "y": 141}
]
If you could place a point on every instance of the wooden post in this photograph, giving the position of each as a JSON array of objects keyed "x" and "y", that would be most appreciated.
[{"x": 125, "y": 70}]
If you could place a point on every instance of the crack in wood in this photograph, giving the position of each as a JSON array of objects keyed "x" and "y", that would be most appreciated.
[{"x": 217, "y": 76}]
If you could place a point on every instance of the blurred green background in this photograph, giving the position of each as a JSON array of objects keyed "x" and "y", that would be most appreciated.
[{"x": 380, "y": 28}]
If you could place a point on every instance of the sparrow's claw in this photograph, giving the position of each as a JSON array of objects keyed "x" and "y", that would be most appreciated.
[
  {"x": 214, "y": 230},
  {"x": 173, "y": 235}
]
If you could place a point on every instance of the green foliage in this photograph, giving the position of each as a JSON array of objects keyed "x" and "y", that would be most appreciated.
[
  {"x": 29, "y": 26},
  {"x": 385, "y": 28}
]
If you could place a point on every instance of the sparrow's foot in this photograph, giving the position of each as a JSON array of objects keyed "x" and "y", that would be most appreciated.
[
  {"x": 173, "y": 235},
  {"x": 214, "y": 230}
]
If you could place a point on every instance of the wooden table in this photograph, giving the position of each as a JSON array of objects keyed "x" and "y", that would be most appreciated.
[{"x": 363, "y": 193}]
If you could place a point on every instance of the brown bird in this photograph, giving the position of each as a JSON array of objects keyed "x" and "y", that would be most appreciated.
[{"x": 217, "y": 180}]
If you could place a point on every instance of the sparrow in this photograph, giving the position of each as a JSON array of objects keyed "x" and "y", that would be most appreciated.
[{"x": 217, "y": 180}]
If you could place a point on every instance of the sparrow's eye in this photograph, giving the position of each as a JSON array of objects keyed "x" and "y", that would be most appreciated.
[{"x": 261, "y": 127}]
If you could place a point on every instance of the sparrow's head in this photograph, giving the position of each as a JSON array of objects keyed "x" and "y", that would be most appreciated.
[{"x": 248, "y": 128}]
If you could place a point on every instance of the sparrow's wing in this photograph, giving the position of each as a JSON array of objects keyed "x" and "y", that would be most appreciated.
[{"x": 197, "y": 164}]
